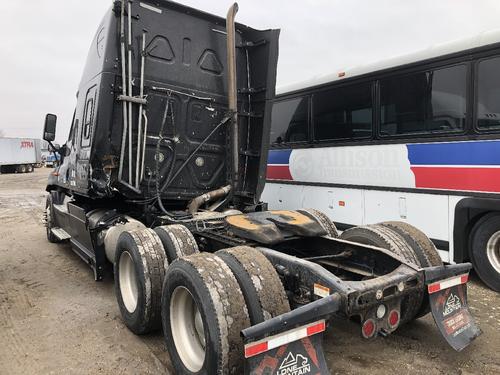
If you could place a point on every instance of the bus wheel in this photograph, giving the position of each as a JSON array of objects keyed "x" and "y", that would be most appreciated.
[
  {"x": 139, "y": 268},
  {"x": 261, "y": 286},
  {"x": 381, "y": 236},
  {"x": 323, "y": 219},
  {"x": 177, "y": 241},
  {"x": 485, "y": 250},
  {"x": 203, "y": 313}
]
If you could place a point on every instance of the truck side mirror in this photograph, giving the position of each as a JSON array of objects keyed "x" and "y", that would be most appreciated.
[{"x": 49, "y": 129}]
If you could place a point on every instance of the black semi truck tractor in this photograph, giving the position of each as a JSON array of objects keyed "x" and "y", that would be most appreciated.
[{"x": 160, "y": 183}]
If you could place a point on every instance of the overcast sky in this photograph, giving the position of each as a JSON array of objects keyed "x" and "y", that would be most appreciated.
[{"x": 44, "y": 43}]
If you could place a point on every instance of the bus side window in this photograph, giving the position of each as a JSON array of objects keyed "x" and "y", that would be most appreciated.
[
  {"x": 289, "y": 122},
  {"x": 424, "y": 102},
  {"x": 488, "y": 95},
  {"x": 343, "y": 113}
]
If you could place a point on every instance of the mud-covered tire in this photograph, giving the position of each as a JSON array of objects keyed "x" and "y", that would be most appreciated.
[
  {"x": 177, "y": 240},
  {"x": 485, "y": 248},
  {"x": 139, "y": 268},
  {"x": 379, "y": 236},
  {"x": 49, "y": 220},
  {"x": 424, "y": 249},
  {"x": 323, "y": 219},
  {"x": 384, "y": 237},
  {"x": 207, "y": 282},
  {"x": 264, "y": 293},
  {"x": 427, "y": 252}
]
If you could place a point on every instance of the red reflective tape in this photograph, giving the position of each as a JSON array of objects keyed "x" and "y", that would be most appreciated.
[
  {"x": 433, "y": 288},
  {"x": 448, "y": 283},
  {"x": 317, "y": 328},
  {"x": 284, "y": 338},
  {"x": 253, "y": 350}
]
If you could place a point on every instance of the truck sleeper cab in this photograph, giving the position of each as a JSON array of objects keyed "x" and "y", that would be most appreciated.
[{"x": 161, "y": 178}]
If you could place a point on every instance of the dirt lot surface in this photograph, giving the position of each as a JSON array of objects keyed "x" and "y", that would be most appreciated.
[{"x": 55, "y": 319}]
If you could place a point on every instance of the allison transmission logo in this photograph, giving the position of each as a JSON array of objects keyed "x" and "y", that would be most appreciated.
[{"x": 294, "y": 365}]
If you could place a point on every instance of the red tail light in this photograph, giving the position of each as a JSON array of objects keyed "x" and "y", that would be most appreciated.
[
  {"x": 368, "y": 329},
  {"x": 393, "y": 318}
]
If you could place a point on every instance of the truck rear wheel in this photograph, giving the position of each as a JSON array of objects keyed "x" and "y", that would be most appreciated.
[
  {"x": 386, "y": 238},
  {"x": 21, "y": 168},
  {"x": 261, "y": 286},
  {"x": 379, "y": 236},
  {"x": 424, "y": 249},
  {"x": 323, "y": 219},
  {"x": 177, "y": 240},
  {"x": 139, "y": 268},
  {"x": 29, "y": 168},
  {"x": 203, "y": 313},
  {"x": 485, "y": 250}
]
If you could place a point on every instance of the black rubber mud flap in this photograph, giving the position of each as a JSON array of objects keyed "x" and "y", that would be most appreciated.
[
  {"x": 304, "y": 356},
  {"x": 292, "y": 343},
  {"x": 447, "y": 287}
]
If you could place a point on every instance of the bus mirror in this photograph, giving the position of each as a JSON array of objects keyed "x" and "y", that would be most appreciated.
[{"x": 49, "y": 129}]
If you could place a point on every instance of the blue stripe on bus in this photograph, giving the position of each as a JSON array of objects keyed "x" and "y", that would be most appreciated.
[
  {"x": 459, "y": 153},
  {"x": 279, "y": 156}
]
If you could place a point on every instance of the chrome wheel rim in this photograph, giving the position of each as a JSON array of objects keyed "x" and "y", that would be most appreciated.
[
  {"x": 128, "y": 282},
  {"x": 188, "y": 330},
  {"x": 493, "y": 251}
]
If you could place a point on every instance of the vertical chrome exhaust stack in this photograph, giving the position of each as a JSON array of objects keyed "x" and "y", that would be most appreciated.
[{"x": 233, "y": 91}]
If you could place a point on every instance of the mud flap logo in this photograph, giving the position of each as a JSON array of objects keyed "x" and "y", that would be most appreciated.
[
  {"x": 297, "y": 365},
  {"x": 452, "y": 304}
]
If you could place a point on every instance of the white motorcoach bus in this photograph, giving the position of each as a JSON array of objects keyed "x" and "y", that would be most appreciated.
[{"x": 416, "y": 138}]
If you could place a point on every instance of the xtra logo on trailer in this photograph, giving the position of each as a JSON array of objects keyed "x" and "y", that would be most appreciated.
[
  {"x": 27, "y": 144},
  {"x": 298, "y": 365}
]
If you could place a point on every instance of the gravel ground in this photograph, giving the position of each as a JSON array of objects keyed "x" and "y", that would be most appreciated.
[{"x": 55, "y": 319}]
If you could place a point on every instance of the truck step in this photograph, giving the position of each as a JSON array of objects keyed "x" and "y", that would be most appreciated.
[{"x": 61, "y": 234}]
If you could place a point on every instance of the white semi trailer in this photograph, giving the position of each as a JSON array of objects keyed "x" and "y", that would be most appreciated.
[{"x": 19, "y": 155}]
